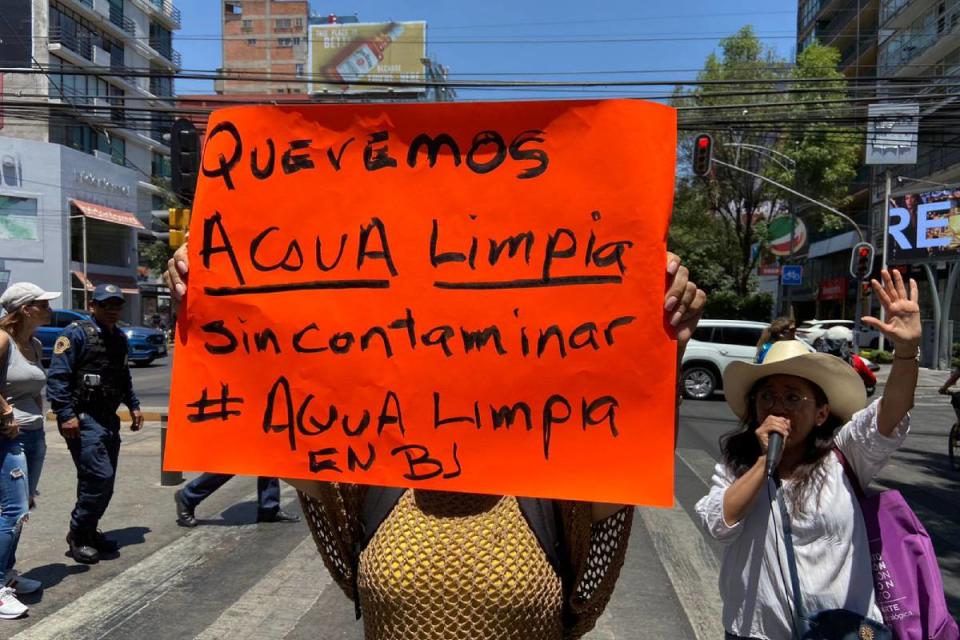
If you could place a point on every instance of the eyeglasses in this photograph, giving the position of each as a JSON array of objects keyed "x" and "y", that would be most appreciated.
[
  {"x": 40, "y": 304},
  {"x": 791, "y": 400},
  {"x": 110, "y": 305}
]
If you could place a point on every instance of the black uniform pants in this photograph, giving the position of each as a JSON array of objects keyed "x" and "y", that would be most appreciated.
[{"x": 95, "y": 455}]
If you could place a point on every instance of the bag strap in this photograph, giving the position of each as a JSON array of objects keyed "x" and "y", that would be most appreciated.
[
  {"x": 791, "y": 559},
  {"x": 851, "y": 474}
]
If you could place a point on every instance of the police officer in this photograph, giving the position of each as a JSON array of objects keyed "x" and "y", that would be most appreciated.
[{"x": 87, "y": 380}]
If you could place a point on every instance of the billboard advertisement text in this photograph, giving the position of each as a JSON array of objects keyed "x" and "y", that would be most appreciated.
[
  {"x": 924, "y": 226},
  {"x": 367, "y": 57}
]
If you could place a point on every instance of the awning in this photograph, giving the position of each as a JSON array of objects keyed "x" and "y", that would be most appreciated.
[
  {"x": 106, "y": 214},
  {"x": 127, "y": 284}
]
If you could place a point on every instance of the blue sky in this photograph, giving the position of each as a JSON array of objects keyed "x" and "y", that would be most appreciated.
[{"x": 670, "y": 39}]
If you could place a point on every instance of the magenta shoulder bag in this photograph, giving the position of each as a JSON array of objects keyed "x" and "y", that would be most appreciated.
[{"x": 909, "y": 590}]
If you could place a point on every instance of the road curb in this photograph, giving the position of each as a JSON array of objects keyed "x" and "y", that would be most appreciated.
[{"x": 150, "y": 414}]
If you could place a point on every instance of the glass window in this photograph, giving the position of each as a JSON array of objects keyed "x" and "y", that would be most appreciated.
[
  {"x": 744, "y": 336},
  {"x": 702, "y": 334}
]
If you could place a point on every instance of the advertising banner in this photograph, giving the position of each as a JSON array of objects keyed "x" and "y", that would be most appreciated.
[
  {"x": 379, "y": 54},
  {"x": 924, "y": 227},
  {"x": 463, "y": 297},
  {"x": 832, "y": 289}
]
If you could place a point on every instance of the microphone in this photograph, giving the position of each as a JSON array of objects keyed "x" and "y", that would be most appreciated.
[{"x": 774, "y": 452}]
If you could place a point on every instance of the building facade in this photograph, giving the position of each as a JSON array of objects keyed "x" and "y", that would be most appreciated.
[
  {"x": 910, "y": 49},
  {"x": 66, "y": 222},
  {"x": 266, "y": 39},
  {"x": 92, "y": 94}
]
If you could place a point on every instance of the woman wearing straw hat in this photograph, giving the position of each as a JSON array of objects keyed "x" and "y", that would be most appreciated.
[{"x": 815, "y": 401}]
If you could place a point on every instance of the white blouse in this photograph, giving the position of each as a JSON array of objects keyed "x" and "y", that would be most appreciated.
[{"x": 830, "y": 539}]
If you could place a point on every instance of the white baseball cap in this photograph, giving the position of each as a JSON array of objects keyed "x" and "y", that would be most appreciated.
[{"x": 21, "y": 293}]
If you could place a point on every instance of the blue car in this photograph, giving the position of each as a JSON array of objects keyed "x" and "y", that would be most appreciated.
[{"x": 144, "y": 345}]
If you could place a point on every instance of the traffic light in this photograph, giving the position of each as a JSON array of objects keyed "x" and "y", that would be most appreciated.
[
  {"x": 184, "y": 158},
  {"x": 702, "y": 154},
  {"x": 861, "y": 260},
  {"x": 179, "y": 222}
]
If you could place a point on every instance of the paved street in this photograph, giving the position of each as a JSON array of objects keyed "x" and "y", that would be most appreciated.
[{"x": 234, "y": 579}]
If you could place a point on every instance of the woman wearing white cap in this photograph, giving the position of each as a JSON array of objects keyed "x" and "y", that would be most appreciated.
[
  {"x": 22, "y": 446},
  {"x": 815, "y": 401}
]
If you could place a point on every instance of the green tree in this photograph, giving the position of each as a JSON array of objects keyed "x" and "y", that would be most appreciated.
[
  {"x": 751, "y": 101},
  {"x": 155, "y": 255}
]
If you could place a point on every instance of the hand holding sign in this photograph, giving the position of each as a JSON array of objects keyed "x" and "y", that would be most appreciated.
[{"x": 445, "y": 296}]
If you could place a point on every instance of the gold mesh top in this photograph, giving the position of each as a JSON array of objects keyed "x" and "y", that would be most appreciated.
[
  {"x": 446, "y": 565},
  {"x": 438, "y": 558}
]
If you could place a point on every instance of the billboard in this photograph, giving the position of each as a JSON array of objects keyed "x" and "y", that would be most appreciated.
[
  {"x": 892, "y": 133},
  {"x": 16, "y": 25},
  {"x": 374, "y": 52},
  {"x": 924, "y": 227}
]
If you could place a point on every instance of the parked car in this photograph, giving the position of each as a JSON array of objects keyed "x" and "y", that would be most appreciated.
[
  {"x": 714, "y": 345},
  {"x": 48, "y": 334},
  {"x": 810, "y": 330},
  {"x": 144, "y": 345}
]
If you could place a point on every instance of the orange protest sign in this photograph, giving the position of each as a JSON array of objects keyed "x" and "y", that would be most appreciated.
[{"x": 465, "y": 297}]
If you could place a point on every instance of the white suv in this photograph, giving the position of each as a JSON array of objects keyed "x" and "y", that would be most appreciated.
[{"x": 714, "y": 345}]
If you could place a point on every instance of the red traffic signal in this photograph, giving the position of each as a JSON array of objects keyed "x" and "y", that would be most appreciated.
[
  {"x": 861, "y": 260},
  {"x": 702, "y": 155}
]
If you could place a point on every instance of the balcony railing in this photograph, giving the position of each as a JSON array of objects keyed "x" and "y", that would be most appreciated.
[
  {"x": 857, "y": 49},
  {"x": 161, "y": 87},
  {"x": 890, "y": 8},
  {"x": 167, "y": 8},
  {"x": 841, "y": 18},
  {"x": 81, "y": 46},
  {"x": 122, "y": 21},
  {"x": 166, "y": 51}
]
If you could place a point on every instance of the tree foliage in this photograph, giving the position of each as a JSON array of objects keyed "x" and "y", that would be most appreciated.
[
  {"x": 766, "y": 116},
  {"x": 155, "y": 256}
]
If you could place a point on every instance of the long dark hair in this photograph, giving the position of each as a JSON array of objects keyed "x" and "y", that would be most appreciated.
[{"x": 741, "y": 449}]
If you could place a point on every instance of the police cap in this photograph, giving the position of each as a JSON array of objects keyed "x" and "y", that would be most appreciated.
[{"x": 105, "y": 292}]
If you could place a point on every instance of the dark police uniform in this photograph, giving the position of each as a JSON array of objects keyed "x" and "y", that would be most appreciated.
[{"x": 88, "y": 378}]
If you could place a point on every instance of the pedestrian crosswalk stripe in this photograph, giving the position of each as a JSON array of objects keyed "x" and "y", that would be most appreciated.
[
  {"x": 274, "y": 605},
  {"x": 693, "y": 569}
]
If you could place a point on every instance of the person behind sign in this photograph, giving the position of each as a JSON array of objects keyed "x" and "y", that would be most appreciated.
[
  {"x": 200, "y": 488},
  {"x": 88, "y": 379},
  {"x": 782, "y": 328},
  {"x": 815, "y": 401},
  {"x": 22, "y": 446},
  {"x": 451, "y": 566}
]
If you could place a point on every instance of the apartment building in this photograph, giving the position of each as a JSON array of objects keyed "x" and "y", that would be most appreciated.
[
  {"x": 267, "y": 40},
  {"x": 84, "y": 138}
]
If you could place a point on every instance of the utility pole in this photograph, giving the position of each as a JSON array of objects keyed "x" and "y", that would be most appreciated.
[{"x": 883, "y": 242}]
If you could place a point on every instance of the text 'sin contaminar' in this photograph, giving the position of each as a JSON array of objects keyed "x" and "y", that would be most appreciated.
[{"x": 443, "y": 296}]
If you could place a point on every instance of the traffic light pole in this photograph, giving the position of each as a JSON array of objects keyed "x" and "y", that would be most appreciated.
[
  {"x": 796, "y": 193},
  {"x": 856, "y": 227}
]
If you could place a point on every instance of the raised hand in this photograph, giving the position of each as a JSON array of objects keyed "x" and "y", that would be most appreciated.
[
  {"x": 683, "y": 303},
  {"x": 902, "y": 311}
]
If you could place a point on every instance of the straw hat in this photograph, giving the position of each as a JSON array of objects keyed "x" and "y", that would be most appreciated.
[{"x": 838, "y": 380}]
